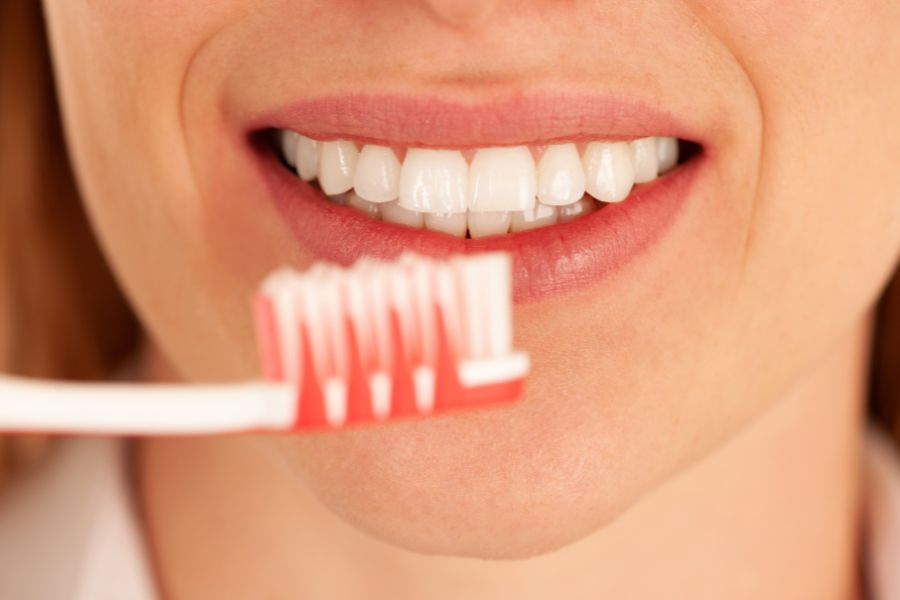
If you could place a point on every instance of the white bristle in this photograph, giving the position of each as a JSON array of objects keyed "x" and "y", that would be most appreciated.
[
  {"x": 334, "y": 312},
  {"x": 358, "y": 310},
  {"x": 281, "y": 287},
  {"x": 496, "y": 302},
  {"x": 380, "y": 389},
  {"x": 312, "y": 319},
  {"x": 400, "y": 288},
  {"x": 422, "y": 272},
  {"x": 379, "y": 297},
  {"x": 424, "y": 379},
  {"x": 472, "y": 307},
  {"x": 335, "y": 393}
]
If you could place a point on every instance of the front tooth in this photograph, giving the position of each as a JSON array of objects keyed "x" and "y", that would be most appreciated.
[
  {"x": 646, "y": 161},
  {"x": 289, "y": 146},
  {"x": 377, "y": 176},
  {"x": 450, "y": 223},
  {"x": 667, "y": 150},
  {"x": 609, "y": 171},
  {"x": 369, "y": 208},
  {"x": 571, "y": 212},
  {"x": 337, "y": 165},
  {"x": 434, "y": 181},
  {"x": 483, "y": 224},
  {"x": 307, "y": 158},
  {"x": 560, "y": 175},
  {"x": 502, "y": 179},
  {"x": 392, "y": 212},
  {"x": 540, "y": 215}
]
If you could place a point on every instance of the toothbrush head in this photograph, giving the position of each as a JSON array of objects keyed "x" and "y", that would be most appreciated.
[{"x": 380, "y": 341}]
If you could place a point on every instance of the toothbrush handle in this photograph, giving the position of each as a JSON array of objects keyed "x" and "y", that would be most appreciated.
[{"x": 31, "y": 406}]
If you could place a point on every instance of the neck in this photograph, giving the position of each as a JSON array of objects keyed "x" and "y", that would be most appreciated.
[{"x": 772, "y": 514}]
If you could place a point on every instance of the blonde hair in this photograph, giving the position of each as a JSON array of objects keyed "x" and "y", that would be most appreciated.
[{"x": 61, "y": 313}]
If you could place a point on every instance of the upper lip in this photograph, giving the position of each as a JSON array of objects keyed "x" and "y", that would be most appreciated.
[{"x": 432, "y": 121}]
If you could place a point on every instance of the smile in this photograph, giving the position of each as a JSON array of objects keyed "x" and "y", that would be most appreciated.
[
  {"x": 480, "y": 192},
  {"x": 574, "y": 190}
]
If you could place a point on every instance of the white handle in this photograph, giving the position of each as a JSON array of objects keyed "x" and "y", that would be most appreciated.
[{"x": 28, "y": 406}]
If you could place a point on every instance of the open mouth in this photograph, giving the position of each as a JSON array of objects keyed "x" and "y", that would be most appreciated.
[
  {"x": 481, "y": 192},
  {"x": 570, "y": 207}
]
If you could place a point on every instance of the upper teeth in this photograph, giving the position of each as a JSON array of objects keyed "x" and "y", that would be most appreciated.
[{"x": 501, "y": 188}]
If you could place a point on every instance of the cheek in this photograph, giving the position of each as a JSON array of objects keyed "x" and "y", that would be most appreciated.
[
  {"x": 826, "y": 223},
  {"x": 121, "y": 69}
]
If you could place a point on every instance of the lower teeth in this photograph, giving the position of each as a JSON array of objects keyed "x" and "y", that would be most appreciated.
[{"x": 470, "y": 224}]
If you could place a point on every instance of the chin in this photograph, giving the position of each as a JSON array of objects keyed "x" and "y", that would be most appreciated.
[{"x": 507, "y": 483}]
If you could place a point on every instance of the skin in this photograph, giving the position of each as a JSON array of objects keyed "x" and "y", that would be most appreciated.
[{"x": 730, "y": 358}]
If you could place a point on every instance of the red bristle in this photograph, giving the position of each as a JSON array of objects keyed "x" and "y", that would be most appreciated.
[
  {"x": 359, "y": 397},
  {"x": 403, "y": 390},
  {"x": 448, "y": 389},
  {"x": 311, "y": 412}
]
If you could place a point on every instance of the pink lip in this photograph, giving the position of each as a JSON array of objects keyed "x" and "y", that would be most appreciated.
[
  {"x": 431, "y": 121},
  {"x": 547, "y": 261}
]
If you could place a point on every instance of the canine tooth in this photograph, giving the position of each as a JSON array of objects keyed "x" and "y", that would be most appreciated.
[
  {"x": 667, "y": 150},
  {"x": 609, "y": 170},
  {"x": 337, "y": 164},
  {"x": 540, "y": 215},
  {"x": 288, "y": 140},
  {"x": 502, "y": 179},
  {"x": 646, "y": 160},
  {"x": 392, "y": 212},
  {"x": 560, "y": 175},
  {"x": 377, "y": 177},
  {"x": 483, "y": 224},
  {"x": 570, "y": 212},
  {"x": 307, "y": 158},
  {"x": 450, "y": 223},
  {"x": 434, "y": 181},
  {"x": 370, "y": 208}
]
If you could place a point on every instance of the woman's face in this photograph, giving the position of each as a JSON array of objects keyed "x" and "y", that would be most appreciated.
[{"x": 657, "y": 329}]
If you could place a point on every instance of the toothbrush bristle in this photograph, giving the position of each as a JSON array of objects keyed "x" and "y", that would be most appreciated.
[{"x": 378, "y": 340}]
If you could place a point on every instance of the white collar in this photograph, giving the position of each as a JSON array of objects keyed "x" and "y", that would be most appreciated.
[
  {"x": 70, "y": 530},
  {"x": 881, "y": 528}
]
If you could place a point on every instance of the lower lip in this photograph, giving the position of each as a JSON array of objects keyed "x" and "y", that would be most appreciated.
[{"x": 548, "y": 261}]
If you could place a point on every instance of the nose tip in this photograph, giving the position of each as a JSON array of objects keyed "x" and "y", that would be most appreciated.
[{"x": 461, "y": 13}]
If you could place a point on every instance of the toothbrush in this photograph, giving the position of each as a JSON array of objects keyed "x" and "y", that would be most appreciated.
[{"x": 371, "y": 343}]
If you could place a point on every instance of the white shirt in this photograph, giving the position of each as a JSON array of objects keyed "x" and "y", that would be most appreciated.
[{"x": 70, "y": 531}]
